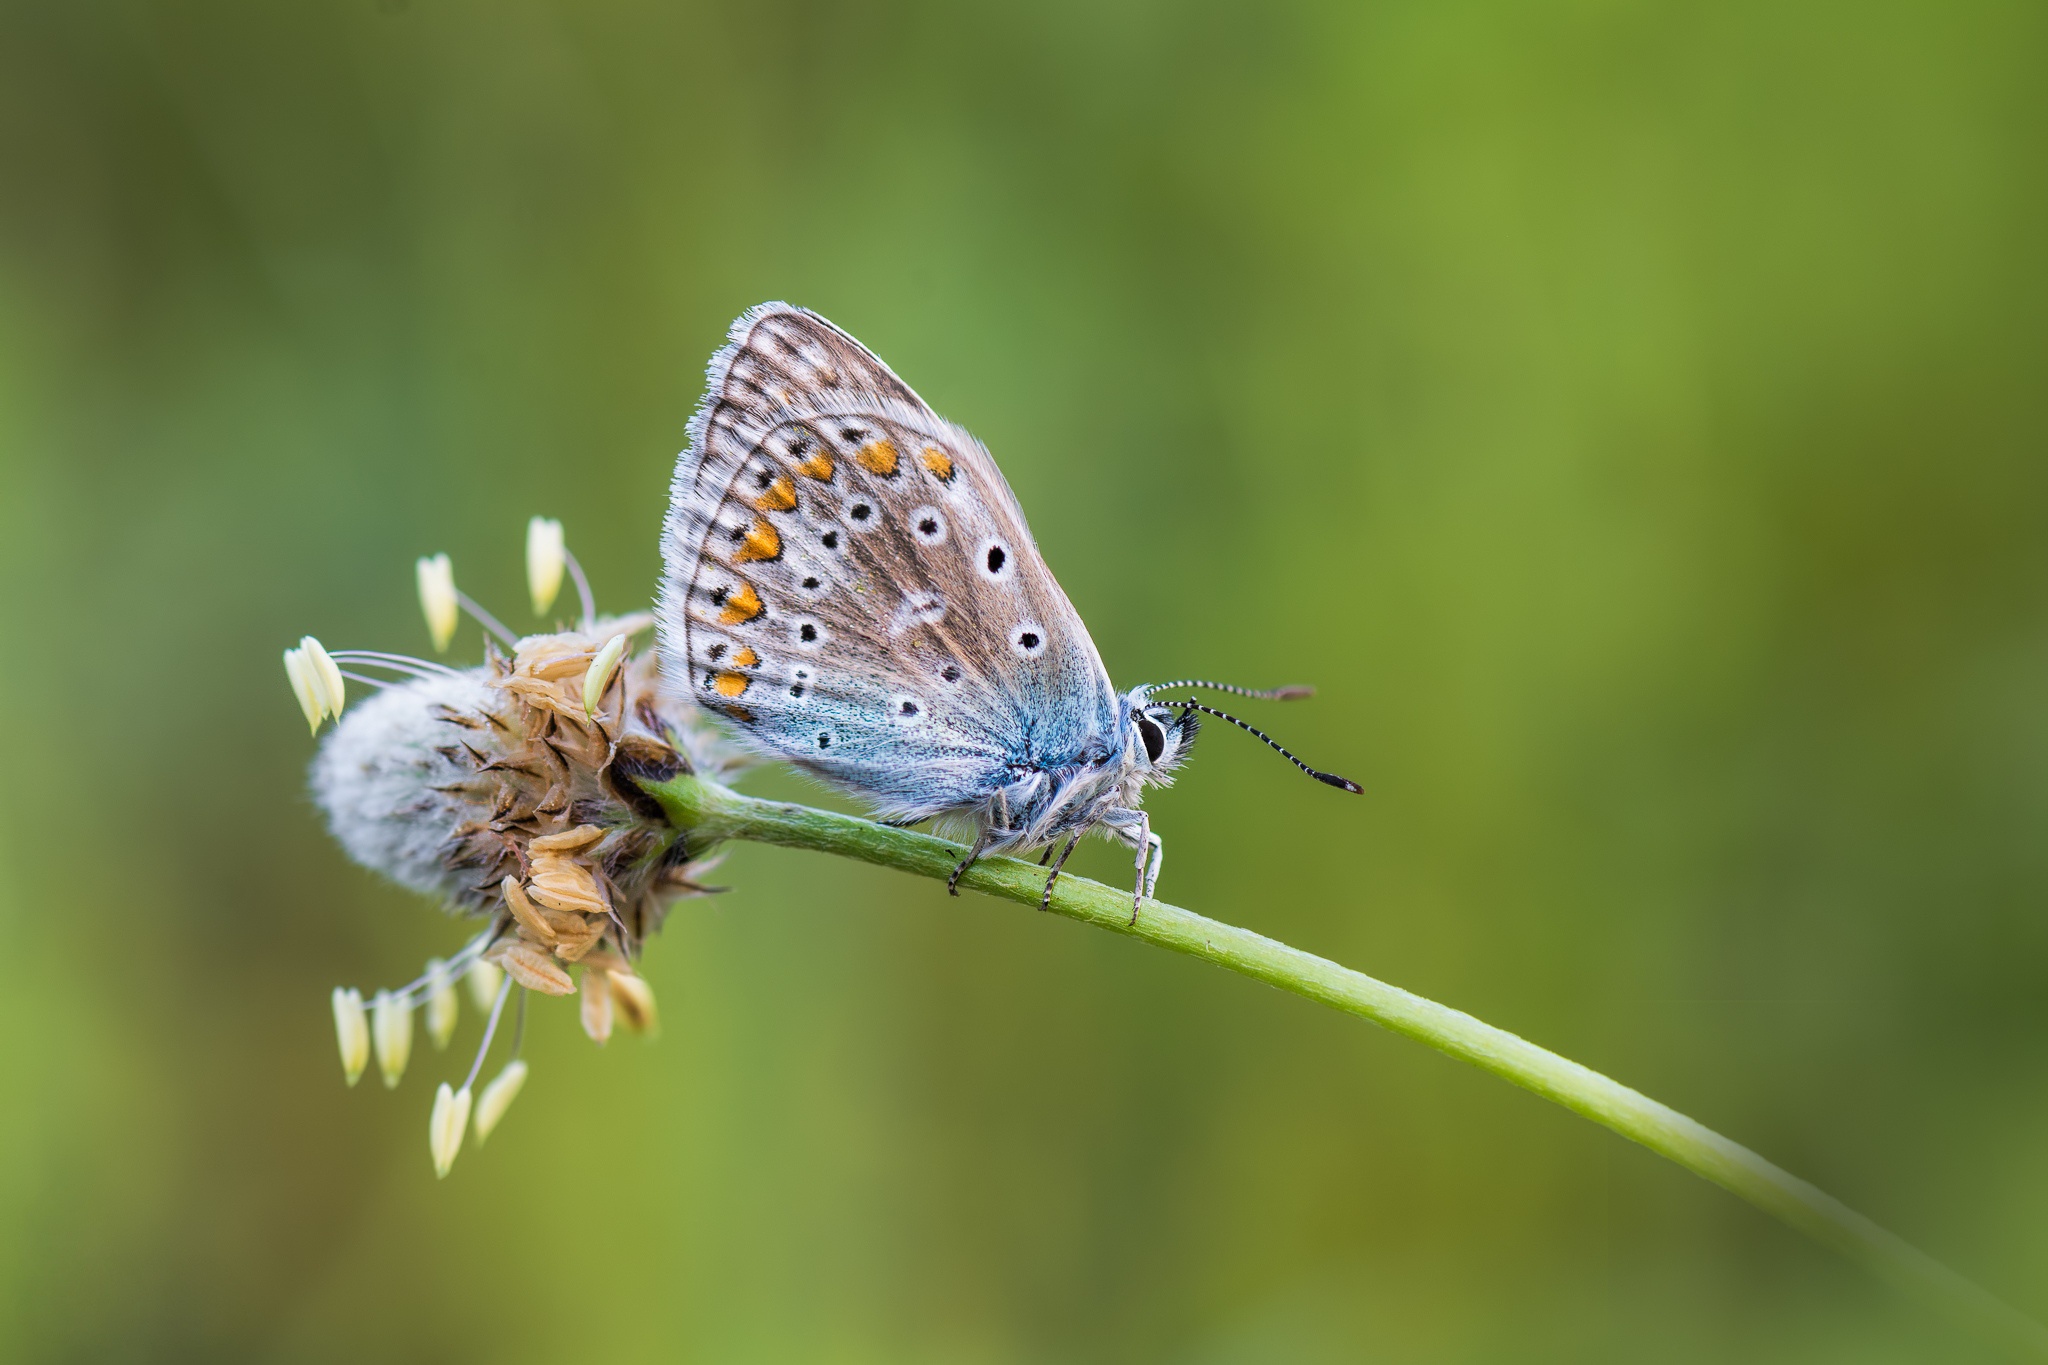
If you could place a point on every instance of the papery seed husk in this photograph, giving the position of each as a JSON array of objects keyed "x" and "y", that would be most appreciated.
[
  {"x": 568, "y": 841},
  {"x": 529, "y": 919},
  {"x": 532, "y": 968}
]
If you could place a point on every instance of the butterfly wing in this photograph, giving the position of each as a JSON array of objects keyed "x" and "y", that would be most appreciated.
[{"x": 848, "y": 578}]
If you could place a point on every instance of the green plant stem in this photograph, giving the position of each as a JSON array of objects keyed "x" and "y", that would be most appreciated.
[{"x": 711, "y": 813}]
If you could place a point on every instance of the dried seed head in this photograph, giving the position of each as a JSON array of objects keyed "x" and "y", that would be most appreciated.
[
  {"x": 450, "y": 783},
  {"x": 436, "y": 578},
  {"x": 391, "y": 1020},
  {"x": 511, "y": 793},
  {"x": 445, "y": 1126},
  {"x": 442, "y": 1005},
  {"x": 352, "y": 1031},
  {"x": 498, "y": 1097},
  {"x": 546, "y": 556}
]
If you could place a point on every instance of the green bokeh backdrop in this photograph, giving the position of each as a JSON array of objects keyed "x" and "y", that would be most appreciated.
[{"x": 1630, "y": 415}]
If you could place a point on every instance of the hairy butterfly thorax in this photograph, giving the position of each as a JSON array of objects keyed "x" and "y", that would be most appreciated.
[{"x": 849, "y": 581}]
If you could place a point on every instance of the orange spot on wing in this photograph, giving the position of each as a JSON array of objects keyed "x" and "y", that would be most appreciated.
[
  {"x": 729, "y": 684},
  {"x": 818, "y": 465},
  {"x": 741, "y": 607},
  {"x": 779, "y": 497},
  {"x": 746, "y": 658},
  {"x": 938, "y": 462},
  {"x": 762, "y": 542},
  {"x": 877, "y": 457}
]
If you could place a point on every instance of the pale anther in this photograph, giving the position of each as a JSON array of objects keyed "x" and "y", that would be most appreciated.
[
  {"x": 442, "y": 1004},
  {"x": 391, "y": 1028},
  {"x": 445, "y": 1127},
  {"x": 498, "y": 1097},
  {"x": 600, "y": 674},
  {"x": 305, "y": 687},
  {"x": 436, "y": 574},
  {"x": 545, "y": 559},
  {"x": 352, "y": 1031}
]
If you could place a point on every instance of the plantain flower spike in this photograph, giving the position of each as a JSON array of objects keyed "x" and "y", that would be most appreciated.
[
  {"x": 352, "y": 1031},
  {"x": 436, "y": 574},
  {"x": 443, "y": 1006},
  {"x": 445, "y": 1127},
  {"x": 327, "y": 680},
  {"x": 391, "y": 1020},
  {"x": 546, "y": 556},
  {"x": 306, "y": 687},
  {"x": 513, "y": 793},
  {"x": 600, "y": 675},
  {"x": 498, "y": 1097},
  {"x": 483, "y": 978}
]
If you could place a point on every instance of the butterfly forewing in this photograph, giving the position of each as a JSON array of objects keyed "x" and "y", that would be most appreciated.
[{"x": 850, "y": 581}]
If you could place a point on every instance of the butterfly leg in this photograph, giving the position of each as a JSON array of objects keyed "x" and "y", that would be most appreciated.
[
  {"x": 973, "y": 857},
  {"x": 1045, "y": 901}
]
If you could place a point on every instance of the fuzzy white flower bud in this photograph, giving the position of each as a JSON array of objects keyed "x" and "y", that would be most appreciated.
[
  {"x": 352, "y": 1031},
  {"x": 391, "y": 1021},
  {"x": 497, "y": 1098},
  {"x": 446, "y": 1125},
  {"x": 600, "y": 674},
  {"x": 443, "y": 1007},
  {"x": 546, "y": 556},
  {"x": 436, "y": 575}
]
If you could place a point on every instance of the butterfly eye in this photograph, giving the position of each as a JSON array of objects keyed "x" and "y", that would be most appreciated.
[
  {"x": 928, "y": 525},
  {"x": 1153, "y": 736},
  {"x": 1028, "y": 640}
]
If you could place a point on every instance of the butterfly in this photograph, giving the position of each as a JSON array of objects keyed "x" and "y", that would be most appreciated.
[{"x": 848, "y": 579}]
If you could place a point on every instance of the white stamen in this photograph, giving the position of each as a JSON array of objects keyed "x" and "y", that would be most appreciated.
[
  {"x": 391, "y": 1019},
  {"x": 436, "y": 577},
  {"x": 600, "y": 673},
  {"x": 544, "y": 562},
  {"x": 445, "y": 1127},
  {"x": 326, "y": 677},
  {"x": 442, "y": 1004},
  {"x": 498, "y": 1097},
  {"x": 352, "y": 1031},
  {"x": 299, "y": 669}
]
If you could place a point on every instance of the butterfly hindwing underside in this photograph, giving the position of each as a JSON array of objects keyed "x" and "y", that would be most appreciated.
[{"x": 851, "y": 583}]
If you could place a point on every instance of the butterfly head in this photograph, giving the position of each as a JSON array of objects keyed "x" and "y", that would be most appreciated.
[{"x": 1158, "y": 738}]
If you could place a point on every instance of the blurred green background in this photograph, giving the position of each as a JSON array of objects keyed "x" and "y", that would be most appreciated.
[{"x": 1631, "y": 416}]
